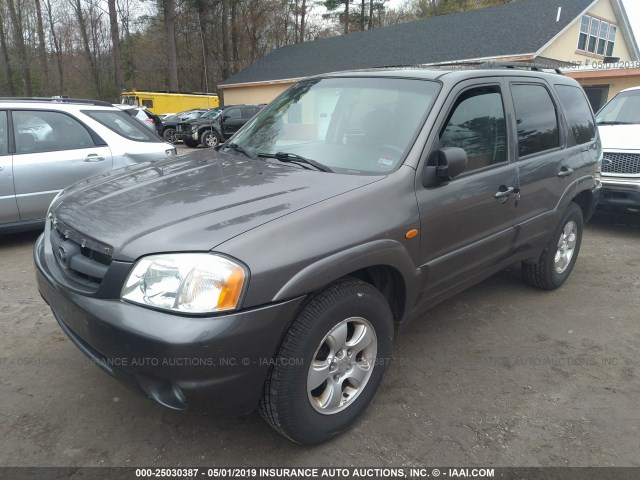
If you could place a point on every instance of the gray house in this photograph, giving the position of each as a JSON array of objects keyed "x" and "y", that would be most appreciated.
[{"x": 559, "y": 32}]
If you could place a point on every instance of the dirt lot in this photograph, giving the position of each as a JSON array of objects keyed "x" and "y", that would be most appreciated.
[{"x": 501, "y": 375}]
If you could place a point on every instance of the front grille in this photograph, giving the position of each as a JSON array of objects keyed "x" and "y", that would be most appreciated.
[
  {"x": 624, "y": 163},
  {"x": 82, "y": 259}
]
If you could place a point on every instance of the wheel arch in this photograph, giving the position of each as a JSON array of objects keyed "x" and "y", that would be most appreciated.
[
  {"x": 385, "y": 264},
  {"x": 586, "y": 201}
]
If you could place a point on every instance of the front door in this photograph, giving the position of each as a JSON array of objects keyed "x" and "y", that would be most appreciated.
[
  {"x": 8, "y": 205},
  {"x": 231, "y": 121},
  {"x": 467, "y": 225},
  {"x": 53, "y": 151}
]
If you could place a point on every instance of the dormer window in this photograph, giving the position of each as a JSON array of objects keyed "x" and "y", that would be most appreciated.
[{"x": 597, "y": 36}]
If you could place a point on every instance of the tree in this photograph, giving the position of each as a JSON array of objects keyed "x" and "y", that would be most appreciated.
[
  {"x": 7, "y": 60},
  {"x": 57, "y": 48},
  {"x": 169, "y": 10},
  {"x": 23, "y": 59},
  {"x": 42, "y": 51},
  {"x": 332, "y": 5},
  {"x": 115, "y": 45},
  {"x": 88, "y": 52}
]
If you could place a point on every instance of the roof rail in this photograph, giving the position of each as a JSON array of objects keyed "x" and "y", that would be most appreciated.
[
  {"x": 534, "y": 67},
  {"x": 97, "y": 103}
]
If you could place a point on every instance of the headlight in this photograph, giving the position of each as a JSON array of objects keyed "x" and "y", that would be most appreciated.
[
  {"x": 170, "y": 152},
  {"x": 186, "y": 282},
  {"x": 194, "y": 128}
]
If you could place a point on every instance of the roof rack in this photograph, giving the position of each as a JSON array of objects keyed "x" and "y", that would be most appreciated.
[
  {"x": 97, "y": 103},
  {"x": 534, "y": 67},
  {"x": 530, "y": 66}
]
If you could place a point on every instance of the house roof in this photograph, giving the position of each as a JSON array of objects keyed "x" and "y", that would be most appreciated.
[{"x": 519, "y": 28}]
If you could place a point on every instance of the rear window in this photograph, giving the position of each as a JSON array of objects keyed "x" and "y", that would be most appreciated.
[
  {"x": 536, "y": 119},
  {"x": 578, "y": 113},
  {"x": 124, "y": 125}
]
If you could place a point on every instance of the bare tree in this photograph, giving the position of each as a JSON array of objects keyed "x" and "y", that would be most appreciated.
[
  {"x": 89, "y": 54},
  {"x": 23, "y": 59},
  {"x": 42, "y": 51},
  {"x": 7, "y": 60},
  {"x": 115, "y": 42},
  {"x": 169, "y": 8},
  {"x": 57, "y": 48},
  {"x": 224, "y": 23}
]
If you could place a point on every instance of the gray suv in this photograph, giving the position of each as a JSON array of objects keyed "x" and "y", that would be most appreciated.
[{"x": 276, "y": 272}]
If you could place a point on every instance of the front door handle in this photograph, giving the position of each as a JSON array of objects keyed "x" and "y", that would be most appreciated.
[
  {"x": 565, "y": 172},
  {"x": 93, "y": 157},
  {"x": 504, "y": 192}
]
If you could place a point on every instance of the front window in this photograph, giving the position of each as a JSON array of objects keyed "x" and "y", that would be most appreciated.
[
  {"x": 477, "y": 125},
  {"x": 351, "y": 125},
  {"x": 623, "y": 109},
  {"x": 44, "y": 131},
  {"x": 596, "y": 36}
]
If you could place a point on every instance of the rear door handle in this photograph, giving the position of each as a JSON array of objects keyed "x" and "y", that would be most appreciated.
[
  {"x": 504, "y": 192},
  {"x": 565, "y": 172},
  {"x": 93, "y": 157}
]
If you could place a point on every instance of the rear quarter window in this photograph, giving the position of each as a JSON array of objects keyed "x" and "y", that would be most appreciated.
[
  {"x": 124, "y": 125},
  {"x": 577, "y": 112}
]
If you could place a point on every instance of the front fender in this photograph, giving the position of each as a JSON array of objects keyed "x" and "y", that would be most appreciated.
[{"x": 386, "y": 252}]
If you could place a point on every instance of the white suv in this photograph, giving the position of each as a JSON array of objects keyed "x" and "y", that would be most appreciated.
[
  {"x": 48, "y": 144},
  {"x": 619, "y": 125}
]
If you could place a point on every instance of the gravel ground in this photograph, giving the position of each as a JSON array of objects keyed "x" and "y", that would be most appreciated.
[{"x": 501, "y": 375}]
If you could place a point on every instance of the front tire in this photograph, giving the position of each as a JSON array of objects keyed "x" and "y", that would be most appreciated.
[
  {"x": 559, "y": 256},
  {"x": 210, "y": 139},
  {"x": 330, "y": 364}
]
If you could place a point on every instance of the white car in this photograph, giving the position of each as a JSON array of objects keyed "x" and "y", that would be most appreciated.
[
  {"x": 149, "y": 120},
  {"x": 619, "y": 125},
  {"x": 49, "y": 144}
]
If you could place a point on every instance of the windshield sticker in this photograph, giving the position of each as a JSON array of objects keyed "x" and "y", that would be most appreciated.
[{"x": 385, "y": 163}]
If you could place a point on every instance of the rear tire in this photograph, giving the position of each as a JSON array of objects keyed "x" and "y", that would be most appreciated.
[
  {"x": 559, "y": 256},
  {"x": 210, "y": 139},
  {"x": 330, "y": 364}
]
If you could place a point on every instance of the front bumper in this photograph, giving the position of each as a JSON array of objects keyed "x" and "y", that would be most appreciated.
[
  {"x": 622, "y": 193},
  {"x": 220, "y": 362}
]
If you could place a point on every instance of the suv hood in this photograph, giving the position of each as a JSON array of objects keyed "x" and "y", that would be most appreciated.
[
  {"x": 192, "y": 203},
  {"x": 620, "y": 137}
]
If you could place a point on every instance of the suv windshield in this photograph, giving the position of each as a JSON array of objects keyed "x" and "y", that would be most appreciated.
[
  {"x": 351, "y": 125},
  {"x": 623, "y": 109},
  {"x": 124, "y": 125}
]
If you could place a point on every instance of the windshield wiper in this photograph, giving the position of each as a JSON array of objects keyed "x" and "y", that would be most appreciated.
[
  {"x": 297, "y": 159},
  {"x": 614, "y": 123},
  {"x": 237, "y": 148}
]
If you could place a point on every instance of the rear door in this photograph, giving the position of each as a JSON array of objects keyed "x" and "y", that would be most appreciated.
[
  {"x": 467, "y": 225},
  {"x": 545, "y": 160},
  {"x": 8, "y": 204},
  {"x": 53, "y": 151}
]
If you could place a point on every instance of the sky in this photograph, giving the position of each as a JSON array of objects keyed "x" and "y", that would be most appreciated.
[{"x": 631, "y": 6}]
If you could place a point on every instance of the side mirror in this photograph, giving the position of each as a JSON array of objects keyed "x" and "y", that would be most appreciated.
[
  {"x": 452, "y": 161},
  {"x": 443, "y": 165},
  {"x": 225, "y": 117}
]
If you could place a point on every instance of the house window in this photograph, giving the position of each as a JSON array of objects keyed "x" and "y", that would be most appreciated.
[{"x": 596, "y": 36}]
